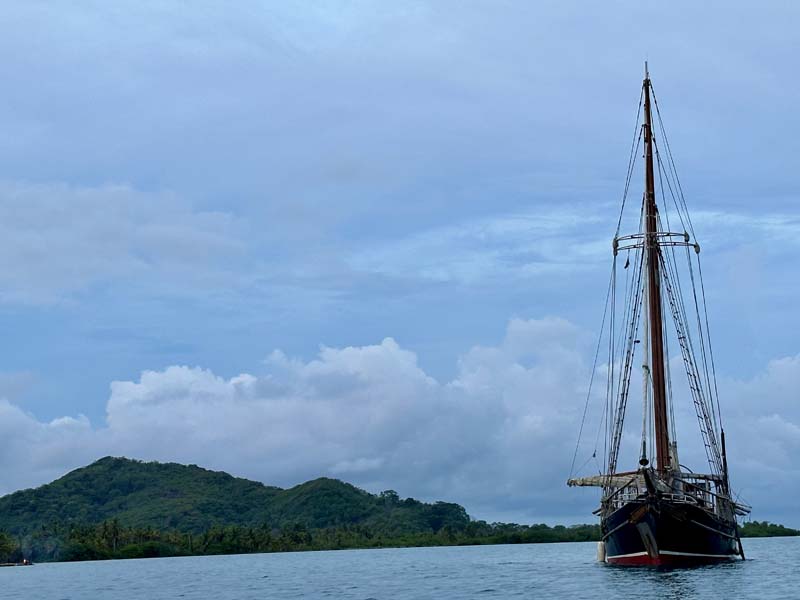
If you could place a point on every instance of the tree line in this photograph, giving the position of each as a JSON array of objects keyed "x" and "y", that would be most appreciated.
[{"x": 110, "y": 539}]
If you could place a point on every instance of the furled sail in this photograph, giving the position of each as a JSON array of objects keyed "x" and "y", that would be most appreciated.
[{"x": 616, "y": 481}]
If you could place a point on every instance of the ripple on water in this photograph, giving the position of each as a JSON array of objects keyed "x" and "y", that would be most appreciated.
[{"x": 524, "y": 571}]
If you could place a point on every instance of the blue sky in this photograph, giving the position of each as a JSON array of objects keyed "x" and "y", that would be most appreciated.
[{"x": 372, "y": 204}]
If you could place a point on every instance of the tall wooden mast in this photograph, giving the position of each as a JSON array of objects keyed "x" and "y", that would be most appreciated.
[{"x": 654, "y": 292}]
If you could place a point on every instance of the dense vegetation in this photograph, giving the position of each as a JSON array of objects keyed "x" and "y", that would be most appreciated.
[
  {"x": 153, "y": 508},
  {"x": 190, "y": 499},
  {"x": 111, "y": 540},
  {"x": 121, "y": 508},
  {"x": 766, "y": 529}
]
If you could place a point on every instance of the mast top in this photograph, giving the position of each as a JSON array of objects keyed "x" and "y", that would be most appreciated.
[{"x": 646, "y": 72}]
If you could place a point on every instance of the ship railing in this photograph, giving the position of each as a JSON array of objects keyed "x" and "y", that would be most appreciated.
[
  {"x": 721, "y": 501},
  {"x": 691, "y": 489},
  {"x": 625, "y": 495},
  {"x": 695, "y": 500},
  {"x": 631, "y": 494}
]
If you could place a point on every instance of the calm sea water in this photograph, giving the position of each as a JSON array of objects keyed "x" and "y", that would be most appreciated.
[{"x": 549, "y": 571}]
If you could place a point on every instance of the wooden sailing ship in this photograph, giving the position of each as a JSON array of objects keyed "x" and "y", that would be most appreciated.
[{"x": 661, "y": 512}]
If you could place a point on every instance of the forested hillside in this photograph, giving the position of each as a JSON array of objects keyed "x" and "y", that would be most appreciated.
[
  {"x": 191, "y": 499},
  {"x": 122, "y": 508}
]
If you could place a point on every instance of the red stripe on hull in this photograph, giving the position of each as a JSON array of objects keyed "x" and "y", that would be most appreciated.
[{"x": 665, "y": 559}]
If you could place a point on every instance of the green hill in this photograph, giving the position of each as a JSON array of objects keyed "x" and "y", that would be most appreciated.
[
  {"x": 190, "y": 499},
  {"x": 122, "y": 508}
]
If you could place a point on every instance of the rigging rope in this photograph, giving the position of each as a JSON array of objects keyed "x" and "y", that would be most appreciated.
[
  {"x": 701, "y": 374},
  {"x": 708, "y": 335},
  {"x": 610, "y": 295},
  {"x": 631, "y": 160},
  {"x": 708, "y": 426},
  {"x": 672, "y": 164},
  {"x": 670, "y": 394},
  {"x": 625, "y": 374},
  {"x": 591, "y": 377}
]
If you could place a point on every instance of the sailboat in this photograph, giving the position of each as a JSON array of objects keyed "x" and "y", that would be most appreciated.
[{"x": 660, "y": 512}]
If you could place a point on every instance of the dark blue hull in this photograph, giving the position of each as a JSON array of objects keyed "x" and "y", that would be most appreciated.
[{"x": 654, "y": 531}]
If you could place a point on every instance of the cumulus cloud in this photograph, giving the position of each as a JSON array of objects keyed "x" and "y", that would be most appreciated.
[
  {"x": 39, "y": 451},
  {"x": 764, "y": 436},
  {"x": 368, "y": 414},
  {"x": 498, "y": 437}
]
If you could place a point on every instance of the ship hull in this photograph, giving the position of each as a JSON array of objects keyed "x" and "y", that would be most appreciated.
[{"x": 655, "y": 532}]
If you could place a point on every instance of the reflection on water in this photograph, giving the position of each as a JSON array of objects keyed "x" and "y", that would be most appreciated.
[
  {"x": 549, "y": 571},
  {"x": 675, "y": 583},
  {"x": 769, "y": 573}
]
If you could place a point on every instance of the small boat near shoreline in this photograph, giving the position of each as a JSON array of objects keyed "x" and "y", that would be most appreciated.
[{"x": 24, "y": 563}]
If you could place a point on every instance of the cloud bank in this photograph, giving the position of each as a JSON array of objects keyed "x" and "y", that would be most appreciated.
[{"x": 498, "y": 437}]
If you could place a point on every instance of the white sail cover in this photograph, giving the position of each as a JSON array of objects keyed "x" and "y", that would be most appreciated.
[
  {"x": 619, "y": 480},
  {"x": 616, "y": 481}
]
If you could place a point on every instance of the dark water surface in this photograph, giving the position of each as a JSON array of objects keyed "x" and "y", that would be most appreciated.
[{"x": 549, "y": 571}]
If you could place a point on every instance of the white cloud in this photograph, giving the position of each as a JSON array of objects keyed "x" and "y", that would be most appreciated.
[
  {"x": 37, "y": 452},
  {"x": 369, "y": 414},
  {"x": 497, "y": 438}
]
